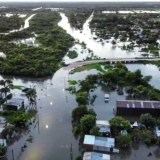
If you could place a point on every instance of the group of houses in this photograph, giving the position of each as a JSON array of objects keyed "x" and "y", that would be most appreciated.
[
  {"x": 95, "y": 144},
  {"x": 14, "y": 104}
]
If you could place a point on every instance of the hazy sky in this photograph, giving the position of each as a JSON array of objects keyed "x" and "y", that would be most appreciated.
[{"x": 79, "y": 0}]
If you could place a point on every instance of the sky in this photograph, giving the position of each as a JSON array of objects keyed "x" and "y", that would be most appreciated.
[{"x": 79, "y": 0}]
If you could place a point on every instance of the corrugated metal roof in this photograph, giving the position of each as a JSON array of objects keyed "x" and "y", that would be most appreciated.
[
  {"x": 89, "y": 139},
  {"x": 103, "y": 125},
  {"x": 101, "y": 122},
  {"x": 99, "y": 141},
  {"x": 138, "y": 104},
  {"x": 158, "y": 131},
  {"x": 87, "y": 156},
  {"x": 95, "y": 156}
]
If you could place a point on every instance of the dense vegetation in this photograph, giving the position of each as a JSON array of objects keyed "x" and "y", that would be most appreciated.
[
  {"x": 141, "y": 134},
  {"x": 141, "y": 28},
  {"x": 37, "y": 61},
  {"x": 72, "y": 54},
  {"x": 78, "y": 17},
  {"x": 10, "y": 23}
]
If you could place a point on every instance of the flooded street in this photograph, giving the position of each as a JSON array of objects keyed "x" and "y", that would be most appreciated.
[{"x": 53, "y": 138}]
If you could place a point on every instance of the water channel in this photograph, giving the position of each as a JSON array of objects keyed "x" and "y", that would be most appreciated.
[{"x": 53, "y": 137}]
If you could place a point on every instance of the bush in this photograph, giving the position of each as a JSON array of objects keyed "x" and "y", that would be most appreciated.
[{"x": 72, "y": 54}]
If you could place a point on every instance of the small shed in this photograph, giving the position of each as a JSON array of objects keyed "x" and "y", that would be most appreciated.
[
  {"x": 104, "y": 127},
  {"x": 158, "y": 131},
  {"x": 95, "y": 143},
  {"x": 15, "y": 104},
  {"x": 95, "y": 156}
]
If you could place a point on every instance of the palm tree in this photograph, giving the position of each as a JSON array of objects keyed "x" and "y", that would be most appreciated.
[
  {"x": 31, "y": 94},
  {"x": 7, "y": 84}
]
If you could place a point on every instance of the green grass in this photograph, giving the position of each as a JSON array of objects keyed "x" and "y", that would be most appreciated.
[
  {"x": 16, "y": 87},
  {"x": 72, "y": 82},
  {"x": 72, "y": 54},
  {"x": 30, "y": 139},
  {"x": 96, "y": 66}
]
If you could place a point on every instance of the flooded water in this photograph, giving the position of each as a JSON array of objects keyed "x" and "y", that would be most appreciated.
[
  {"x": 26, "y": 25},
  {"x": 54, "y": 137},
  {"x": 134, "y": 11},
  {"x": 28, "y": 41},
  {"x": 103, "y": 49}
]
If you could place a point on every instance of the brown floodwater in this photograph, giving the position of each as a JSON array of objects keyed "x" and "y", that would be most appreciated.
[{"x": 53, "y": 137}]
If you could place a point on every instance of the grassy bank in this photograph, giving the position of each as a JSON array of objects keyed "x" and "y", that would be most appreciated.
[{"x": 101, "y": 67}]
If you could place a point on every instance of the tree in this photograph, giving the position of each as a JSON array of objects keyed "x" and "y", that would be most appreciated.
[
  {"x": 113, "y": 42},
  {"x": 7, "y": 85},
  {"x": 124, "y": 141},
  {"x": 87, "y": 123},
  {"x": 79, "y": 112},
  {"x": 95, "y": 131},
  {"x": 136, "y": 133},
  {"x": 148, "y": 120},
  {"x": 129, "y": 90},
  {"x": 81, "y": 98},
  {"x": 117, "y": 123},
  {"x": 92, "y": 112},
  {"x": 2, "y": 149},
  {"x": 31, "y": 94},
  {"x": 147, "y": 136}
]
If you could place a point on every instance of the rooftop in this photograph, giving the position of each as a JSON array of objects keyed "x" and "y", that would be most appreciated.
[
  {"x": 158, "y": 131},
  {"x": 95, "y": 156},
  {"x": 99, "y": 141},
  {"x": 103, "y": 125},
  {"x": 15, "y": 101},
  {"x": 138, "y": 104}
]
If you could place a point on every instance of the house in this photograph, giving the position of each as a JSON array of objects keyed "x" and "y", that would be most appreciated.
[
  {"x": 104, "y": 127},
  {"x": 15, "y": 104},
  {"x": 95, "y": 156},
  {"x": 94, "y": 143},
  {"x": 157, "y": 131},
  {"x": 133, "y": 107}
]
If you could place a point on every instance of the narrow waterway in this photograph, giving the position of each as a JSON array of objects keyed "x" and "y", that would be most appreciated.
[
  {"x": 102, "y": 50},
  {"x": 26, "y": 25},
  {"x": 54, "y": 137}
]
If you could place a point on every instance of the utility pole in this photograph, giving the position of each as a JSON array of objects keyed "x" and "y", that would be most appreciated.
[
  {"x": 38, "y": 123},
  {"x": 71, "y": 153},
  {"x": 65, "y": 89},
  {"x": 12, "y": 155}
]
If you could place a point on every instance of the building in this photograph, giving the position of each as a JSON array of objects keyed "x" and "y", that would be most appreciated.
[
  {"x": 15, "y": 104},
  {"x": 94, "y": 143},
  {"x": 104, "y": 127},
  {"x": 95, "y": 156},
  {"x": 131, "y": 107},
  {"x": 158, "y": 131}
]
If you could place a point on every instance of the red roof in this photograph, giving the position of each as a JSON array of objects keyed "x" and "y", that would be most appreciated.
[{"x": 138, "y": 104}]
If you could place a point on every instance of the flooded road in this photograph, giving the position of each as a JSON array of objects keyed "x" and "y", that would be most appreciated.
[{"x": 54, "y": 137}]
